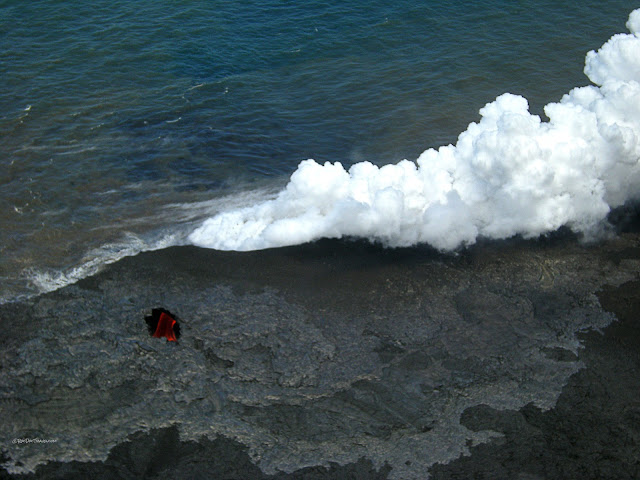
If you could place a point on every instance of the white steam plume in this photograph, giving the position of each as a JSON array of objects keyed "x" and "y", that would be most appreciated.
[{"x": 509, "y": 174}]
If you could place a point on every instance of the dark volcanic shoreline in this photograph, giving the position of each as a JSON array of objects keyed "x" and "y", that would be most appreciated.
[{"x": 361, "y": 361}]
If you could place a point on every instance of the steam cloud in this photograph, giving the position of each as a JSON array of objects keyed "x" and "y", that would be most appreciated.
[{"x": 508, "y": 174}]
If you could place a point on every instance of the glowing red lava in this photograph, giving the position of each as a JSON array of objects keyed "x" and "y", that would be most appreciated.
[
  {"x": 162, "y": 324},
  {"x": 165, "y": 328}
]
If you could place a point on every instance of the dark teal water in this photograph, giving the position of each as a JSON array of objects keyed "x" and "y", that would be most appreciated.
[{"x": 124, "y": 124}]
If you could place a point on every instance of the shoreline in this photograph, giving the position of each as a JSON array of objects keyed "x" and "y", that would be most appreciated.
[{"x": 385, "y": 363}]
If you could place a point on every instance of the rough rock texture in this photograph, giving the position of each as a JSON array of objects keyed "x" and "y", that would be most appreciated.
[
  {"x": 593, "y": 432},
  {"x": 161, "y": 455},
  {"x": 342, "y": 357}
]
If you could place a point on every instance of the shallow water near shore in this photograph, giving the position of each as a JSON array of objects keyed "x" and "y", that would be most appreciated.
[
  {"x": 124, "y": 127},
  {"x": 134, "y": 131}
]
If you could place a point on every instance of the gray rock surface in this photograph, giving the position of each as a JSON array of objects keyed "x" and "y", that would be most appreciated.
[{"x": 329, "y": 354}]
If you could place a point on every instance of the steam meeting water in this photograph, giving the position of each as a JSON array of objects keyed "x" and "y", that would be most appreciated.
[{"x": 124, "y": 125}]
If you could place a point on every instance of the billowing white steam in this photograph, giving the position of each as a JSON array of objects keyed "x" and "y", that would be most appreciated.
[{"x": 509, "y": 174}]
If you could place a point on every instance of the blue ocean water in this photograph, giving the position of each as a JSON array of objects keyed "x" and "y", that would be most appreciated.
[{"x": 125, "y": 124}]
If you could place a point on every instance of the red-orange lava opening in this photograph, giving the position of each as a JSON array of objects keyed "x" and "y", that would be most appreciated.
[
  {"x": 162, "y": 324},
  {"x": 165, "y": 328}
]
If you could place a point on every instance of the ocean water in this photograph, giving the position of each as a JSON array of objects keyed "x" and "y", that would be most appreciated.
[{"x": 124, "y": 126}]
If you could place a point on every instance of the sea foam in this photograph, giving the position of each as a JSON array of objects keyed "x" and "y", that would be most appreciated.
[{"x": 510, "y": 173}]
